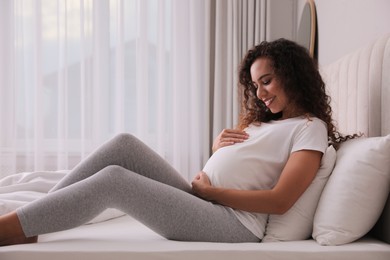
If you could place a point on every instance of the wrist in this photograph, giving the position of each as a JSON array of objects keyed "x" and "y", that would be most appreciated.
[{"x": 211, "y": 193}]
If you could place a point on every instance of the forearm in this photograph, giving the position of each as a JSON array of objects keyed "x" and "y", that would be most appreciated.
[
  {"x": 296, "y": 177},
  {"x": 261, "y": 201}
]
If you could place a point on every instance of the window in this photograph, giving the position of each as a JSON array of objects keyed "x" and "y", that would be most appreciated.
[{"x": 82, "y": 71}]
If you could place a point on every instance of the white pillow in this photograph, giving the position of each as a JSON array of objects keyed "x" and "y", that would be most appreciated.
[
  {"x": 356, "y": 192},
  {"x": 297, "y": 223}
]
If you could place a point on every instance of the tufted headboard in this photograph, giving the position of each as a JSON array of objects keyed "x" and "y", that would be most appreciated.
[{"x": 359, "y": 86}]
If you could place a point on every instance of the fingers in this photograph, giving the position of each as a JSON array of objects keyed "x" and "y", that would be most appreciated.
[
  {"x": 197, "y": 176},
  {"x": 229, "y": 137},
  {"x": 200, "y": 176},
  {"x": 234, "y": 133},
  {"x": 204, "y": 178},
  {"x": 200, "y": 183}
]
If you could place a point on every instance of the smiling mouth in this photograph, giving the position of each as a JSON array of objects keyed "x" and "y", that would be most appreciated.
[{"x": 268, "y": 101}]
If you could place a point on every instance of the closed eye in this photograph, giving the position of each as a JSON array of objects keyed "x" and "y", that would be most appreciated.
[{"x": 266, "y": 82}]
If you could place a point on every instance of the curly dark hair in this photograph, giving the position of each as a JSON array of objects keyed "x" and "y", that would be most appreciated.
[{"x": 298, "y": 74}]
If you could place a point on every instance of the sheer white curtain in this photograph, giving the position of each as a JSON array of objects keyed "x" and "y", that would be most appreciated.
[
  {"x": 73, "y": 73},
  {"x": 237, "y": 26}
]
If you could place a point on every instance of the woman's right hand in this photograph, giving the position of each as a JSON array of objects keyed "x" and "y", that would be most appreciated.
[{"x": 229, "y": 137}]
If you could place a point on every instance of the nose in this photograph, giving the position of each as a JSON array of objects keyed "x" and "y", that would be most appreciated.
[{"x": 261, "y": 92}]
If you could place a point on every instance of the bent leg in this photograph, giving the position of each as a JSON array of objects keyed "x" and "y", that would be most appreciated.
[
  {"x": 171, "y": 212},
  {"x": 129, "y": 152}
]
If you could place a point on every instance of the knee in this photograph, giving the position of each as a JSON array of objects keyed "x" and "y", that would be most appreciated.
[
  {"x": 114, "y": 174},
  {"x": 114, "y": 170},
  {"x": 121, "y": 141},
  {"x": 117, "y": 173},
  {"x": 124, "y": 137}
]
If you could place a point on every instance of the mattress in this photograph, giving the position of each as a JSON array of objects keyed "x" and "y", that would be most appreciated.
[{"x": 125, "y": 238}]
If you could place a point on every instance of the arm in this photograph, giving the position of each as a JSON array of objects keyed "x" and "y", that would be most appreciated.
[{"x": 297, "y": 175}]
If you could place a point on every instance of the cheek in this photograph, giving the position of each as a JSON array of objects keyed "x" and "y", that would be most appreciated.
[
  {"x": 283, "y": 99},
  {"x": 279, "y": 91}
]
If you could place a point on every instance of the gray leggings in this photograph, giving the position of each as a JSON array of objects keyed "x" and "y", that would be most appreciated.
[{"x": 127, "y": 175}]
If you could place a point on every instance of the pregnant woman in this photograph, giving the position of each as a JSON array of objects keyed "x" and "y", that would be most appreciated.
[{"x": 261, "y": 167}]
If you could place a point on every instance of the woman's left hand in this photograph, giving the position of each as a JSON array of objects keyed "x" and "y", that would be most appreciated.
[{"x": 201, "y": 184}]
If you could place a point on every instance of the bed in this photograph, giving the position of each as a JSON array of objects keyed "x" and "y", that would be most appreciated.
[
  {"x": 359, "y": 84},
  {"x": 122, "y": 238}
]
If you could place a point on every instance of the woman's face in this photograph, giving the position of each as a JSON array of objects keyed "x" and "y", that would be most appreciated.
[{"x": 269, "y": 88}]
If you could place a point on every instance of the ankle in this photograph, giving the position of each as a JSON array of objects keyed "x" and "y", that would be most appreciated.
[{"x": 10, "y": 226}]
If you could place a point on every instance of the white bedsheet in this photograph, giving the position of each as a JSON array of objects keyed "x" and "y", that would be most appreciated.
[
  {"x": 21, "y": 188},
  {"x": 114, "y": 237},
  {"x": 125, "y": 238}
]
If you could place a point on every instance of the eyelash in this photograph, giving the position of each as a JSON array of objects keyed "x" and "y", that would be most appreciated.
[{"x": 267, "y": 82}]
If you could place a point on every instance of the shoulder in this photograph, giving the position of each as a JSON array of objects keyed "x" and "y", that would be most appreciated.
[
  {"x": 305, "y": 123},
  {"x": 314, "y": 122},
  {"x": 313, "y": 125},
  {"x": 311, "y": 133}
]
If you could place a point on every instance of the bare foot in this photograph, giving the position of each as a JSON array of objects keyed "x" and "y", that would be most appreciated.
[
  {"x": 11, "y": 232},
  {"x": 19, "y": 240}
]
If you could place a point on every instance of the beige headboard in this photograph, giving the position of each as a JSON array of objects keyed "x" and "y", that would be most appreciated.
[{"x": 359, "y": 85}]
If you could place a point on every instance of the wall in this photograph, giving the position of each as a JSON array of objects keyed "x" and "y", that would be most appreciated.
[
  {"x": 281, "y": 19},
  {"x": 346, "y": 25}
]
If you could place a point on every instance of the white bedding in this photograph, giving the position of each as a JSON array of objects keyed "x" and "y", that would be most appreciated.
[
  {"x": 21, "y": 188},
  {"x": 125, "y": 238},
  {"x": 114, "y": 236}
]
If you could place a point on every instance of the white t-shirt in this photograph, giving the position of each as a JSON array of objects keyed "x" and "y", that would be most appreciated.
[{"x": 257, "y": 163}]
